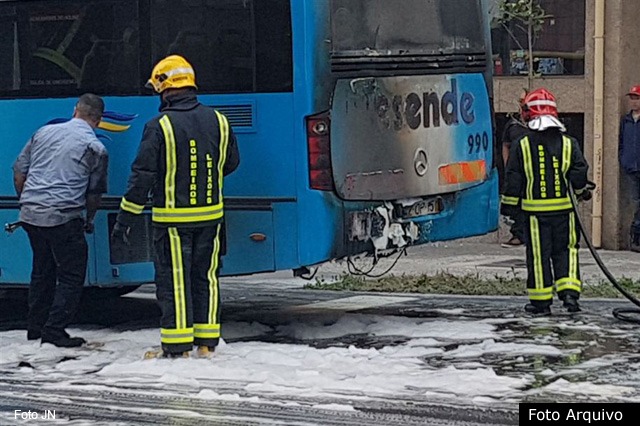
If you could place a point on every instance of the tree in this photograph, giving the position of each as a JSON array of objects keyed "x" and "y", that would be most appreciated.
[{"x": 529, "y": 17}]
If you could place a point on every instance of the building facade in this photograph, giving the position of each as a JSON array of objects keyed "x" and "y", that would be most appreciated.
[{"x": 590, "y": 82}]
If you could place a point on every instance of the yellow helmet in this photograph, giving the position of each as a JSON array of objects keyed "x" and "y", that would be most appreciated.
[{"x": 172, "y": 72}]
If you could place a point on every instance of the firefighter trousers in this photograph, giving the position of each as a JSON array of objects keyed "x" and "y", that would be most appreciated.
[
  {"x": 552, "y": 257},
  {"x": 186, "y": 265}
]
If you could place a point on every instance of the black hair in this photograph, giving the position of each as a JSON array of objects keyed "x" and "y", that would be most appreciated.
[{"x": 90, "y": 106}]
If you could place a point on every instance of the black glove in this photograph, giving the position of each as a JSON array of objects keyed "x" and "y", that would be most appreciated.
[
  {"x": 120, "y": 233},
  {"x": 508, "y": 210},
  {"x": 585, "y": 194},
  {"x": 88, "y": 227}
]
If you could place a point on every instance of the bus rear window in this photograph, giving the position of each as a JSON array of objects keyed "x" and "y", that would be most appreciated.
[{"x": 407, "y": 27}]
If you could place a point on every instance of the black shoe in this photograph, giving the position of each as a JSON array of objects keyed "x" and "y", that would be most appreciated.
[
  {"x": 62, "y": 340},
  {"x": 34, "y": 334},
  {"x": 571, "y": 304},
  {"x": 537, "y": 310},
  {"x": 513, "y": 242}
]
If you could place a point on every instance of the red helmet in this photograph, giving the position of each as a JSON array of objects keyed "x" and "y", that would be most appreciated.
[{"x": 539, "y": 102}]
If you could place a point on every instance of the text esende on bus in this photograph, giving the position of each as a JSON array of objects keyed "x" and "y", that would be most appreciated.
[{"x": 427, "y": 109}]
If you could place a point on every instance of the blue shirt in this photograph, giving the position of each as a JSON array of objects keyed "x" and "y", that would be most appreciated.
[{"x": 63, "y": 163}]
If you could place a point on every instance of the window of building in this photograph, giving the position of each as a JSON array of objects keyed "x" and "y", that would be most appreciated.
[{"x": 558, "y": 50}]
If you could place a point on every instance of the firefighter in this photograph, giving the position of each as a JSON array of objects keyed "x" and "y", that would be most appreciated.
[
  {"x": 514, "y": 130},
  {"x": 184, "y": 154},
  {"x": 542, "y": 167}
]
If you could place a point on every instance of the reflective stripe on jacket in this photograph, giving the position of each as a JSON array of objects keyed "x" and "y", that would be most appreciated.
[
  {"x": 184, "y": 154},
  {"x": 541, "y": 166}
]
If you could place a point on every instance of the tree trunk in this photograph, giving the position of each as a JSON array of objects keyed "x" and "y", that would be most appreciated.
[{"x": 531, "y": 72}]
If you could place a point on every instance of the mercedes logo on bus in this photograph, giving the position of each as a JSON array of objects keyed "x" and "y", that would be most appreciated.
[{"x": 420, "y": 162}]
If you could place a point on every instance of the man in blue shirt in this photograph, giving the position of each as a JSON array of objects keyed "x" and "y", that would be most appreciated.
[
  {"x": 629, "y": 155},
  {"x": 61, "y": 171}
]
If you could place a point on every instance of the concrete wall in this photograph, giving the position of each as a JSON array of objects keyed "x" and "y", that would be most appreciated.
[
  {"x": 569, "y": 91},
  {"x": 575, "y": 94}
]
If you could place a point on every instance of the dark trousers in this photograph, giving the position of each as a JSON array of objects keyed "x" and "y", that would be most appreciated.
[
  {"x": 57, "y": 276},
  {"x": 635, "y": 226},
  {"x": 552, "y": 257},
  {"x": 187, "y": 262}
]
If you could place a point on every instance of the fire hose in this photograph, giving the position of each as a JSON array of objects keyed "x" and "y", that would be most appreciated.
[{"x": 626, "y": 314}]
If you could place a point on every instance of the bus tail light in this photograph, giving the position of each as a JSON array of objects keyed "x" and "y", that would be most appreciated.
[{"x": 319, "y": 145}]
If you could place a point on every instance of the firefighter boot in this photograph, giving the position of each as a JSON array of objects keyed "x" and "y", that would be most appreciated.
[
  {"x": 537, "y": 310},
  {"x": 571, "y": 304},
  {"x": 33, "y": 334}
]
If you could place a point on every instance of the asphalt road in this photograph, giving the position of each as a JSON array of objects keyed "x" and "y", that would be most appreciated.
[{"x": 592, "y": 335}]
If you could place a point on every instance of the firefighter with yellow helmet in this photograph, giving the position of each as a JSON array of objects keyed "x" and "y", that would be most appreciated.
[
  {"x": 183, "y": 157},
  {"x": 542, "y": 167}
]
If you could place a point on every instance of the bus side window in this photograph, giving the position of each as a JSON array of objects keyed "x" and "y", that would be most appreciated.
[
  {"x": 196, "y": 48},
  {"x": 237, "y": 46},
  {"x": 62, "y": 48}
]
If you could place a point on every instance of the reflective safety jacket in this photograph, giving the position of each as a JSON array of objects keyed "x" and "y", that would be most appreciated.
[
  {"x": 184, "y": 154},
  {"x": 541, "y": 165}
]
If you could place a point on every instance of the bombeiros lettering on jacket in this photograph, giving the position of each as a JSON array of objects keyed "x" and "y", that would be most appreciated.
[
  {"x": 193, "y": 185},
  {"x": 542, "y": 170},
  {"x": 427, "y": 109}
]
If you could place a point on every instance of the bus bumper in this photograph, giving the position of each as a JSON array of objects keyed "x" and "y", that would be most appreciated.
[{"x": 470, "y": 212}]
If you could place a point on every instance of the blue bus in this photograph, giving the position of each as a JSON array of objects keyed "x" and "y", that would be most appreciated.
[{"x": 364, "y": 126}]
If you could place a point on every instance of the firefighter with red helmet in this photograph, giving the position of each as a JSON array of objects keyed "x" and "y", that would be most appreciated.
[
  {"x": 543, "y": 166},
  {"x": 185, "y": 152}
]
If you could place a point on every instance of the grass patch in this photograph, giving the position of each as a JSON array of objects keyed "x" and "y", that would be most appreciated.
[{"x": 470, "y": 284}]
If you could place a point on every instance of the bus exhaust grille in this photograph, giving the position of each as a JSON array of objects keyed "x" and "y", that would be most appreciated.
[
  {"x": 241, "y": 117},
  {"x": 352, "y": 64}
]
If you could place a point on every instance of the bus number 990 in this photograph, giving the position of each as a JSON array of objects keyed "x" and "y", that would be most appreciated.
[{"x": 477, "y": 142}]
